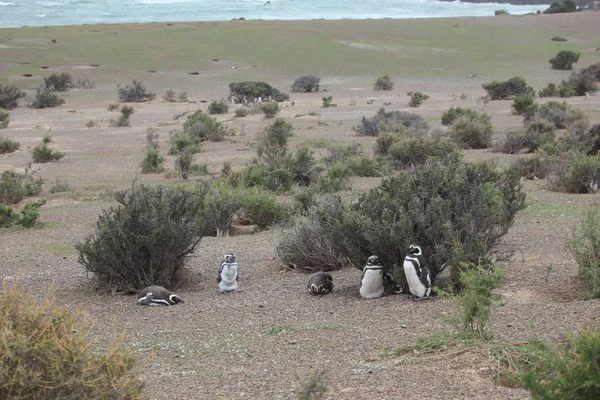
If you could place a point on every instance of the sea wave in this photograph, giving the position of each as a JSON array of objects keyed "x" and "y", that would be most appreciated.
[{"x": 6, "y": 3}]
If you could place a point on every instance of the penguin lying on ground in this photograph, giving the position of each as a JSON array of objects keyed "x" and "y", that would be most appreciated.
[
  {"x": 319, "y": 283},
  {"x": 371, "y": 283},
  {"x": 228, "y": 274},
  {"x": 417, "y": 275},
  {"x": 157, "y": 296}
]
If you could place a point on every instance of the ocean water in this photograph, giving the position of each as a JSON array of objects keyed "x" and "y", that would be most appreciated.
[{"x": 15, "y": 13}]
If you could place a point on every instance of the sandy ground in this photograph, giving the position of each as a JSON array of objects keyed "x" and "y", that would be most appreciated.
[{"x": 265, "y": 340}]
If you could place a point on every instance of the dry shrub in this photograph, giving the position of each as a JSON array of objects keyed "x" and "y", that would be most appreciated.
[{"x": 46, "y": 353}]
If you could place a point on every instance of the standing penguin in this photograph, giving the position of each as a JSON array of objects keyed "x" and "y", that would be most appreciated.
[
  {"x": 371, "y": 284},
  {"x": 319, "y": 283},
  {"x": 417, "y": 275},
  {"x": 228, "y": 274},
  {"x": 157, "y": 296}
]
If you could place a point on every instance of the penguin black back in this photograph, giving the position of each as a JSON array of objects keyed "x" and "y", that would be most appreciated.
[
  {"x": 319, "y": 283},
  {"x": 157, "y": 296}
]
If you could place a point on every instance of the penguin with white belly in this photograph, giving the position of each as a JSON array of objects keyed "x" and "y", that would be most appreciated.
[
  {"x": 371, "y": 283},
  {"x": 319, "y": 283},
  {"x": 417, "y": 275},
  {"x": 228, "y": 274}
]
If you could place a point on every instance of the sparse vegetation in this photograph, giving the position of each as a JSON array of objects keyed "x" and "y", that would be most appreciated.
[
  {"x": 3, "y": 123},
  {"x": 10, "y": 96},
  {"x": 448, "y": 117},
  {"x": 27, "y": 218},
  {"x": 143, "y": 241},
  {"x": 203, "y": 127},
  {"x": 42, "y": 153},
  {"x": 270, "y": 109},
  {"x": 124, "y": 118},
  {"x": 135, "y": 93},
  {"x": 391, "y": 121},
  {"x": 384, "y": 83},
  {"x": 565, "y": 59},
  {"x": 218, "y": 107},
  {"x": 416, "y": 98},
  {"x": 152, "y": 163},
  {"x": 8, "y": 146},
  {"x": 509, "y": 89},
  {"x": 171, "y": 96},
  {"x": 15, "y": 186},
  {"x": 327, "y": 101},
  {"x": 59, "y": 186},
  {"x": 45, "y": 98},
  {"x": 59, "y": 82},
  {"x": 48, "y": 353},
  {"x": 307, "y": 83},
  {"x": 585, "y": 246},
  {"x": 472, "y": 132}
]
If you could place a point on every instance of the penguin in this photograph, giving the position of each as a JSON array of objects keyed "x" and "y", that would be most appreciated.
[
  {"x": 319, "y": 283},
  {"x": 157, "y": 296},
  {"x": 371, "y": 284},
  {"x": 228, "y": 274},
  {"x": 417, "y": 275}
]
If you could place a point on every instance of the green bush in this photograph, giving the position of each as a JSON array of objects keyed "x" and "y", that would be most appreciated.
[
  {"x": 535, "y": 166},
  {"x": 143, "y": 241},
  {"x": 27, "y": 218},
  {"x": 272, "y": 143},
  {"x": 306, "y": 84},
  {"x": 582, "y": 82},
  {"x": 45, "y": 98},
  {"x": 182, "y": 141},
  {"x": 203, "y": 127},
  {"x": 327, "y": 102},
  {"x": 152, "y": 163},
  {"x": 59, "y": 82},
  {"x": 362, "y": 165},
  {"x": 472, "y": 132},
  {"x": 457, "y": 212},
  {"x": 8, "y": 145},
  {"x": 475, "y": 304},
  {"x": 565, "y": 6},
  {"x": 585, "y": 246},
  {"x": 303, "y": 166},
  {"x": 501, "y": 12},
  {"x": 270, "y": 109},
  {"x": 218, "y": 107},
  {"x": 135, "y": 93},
  {"x": 391, "y": 121},
  {"x": 384, "y": 83},
  {"x": 261, "y": 208},
  {"x": 566, "y": 91},
  {"x": 558, "y": 39},
  {"x": 4, "y": 120},
  {"x": 574, "y": 172},
  {"x": 14, "y": 187},
  {"x": 448, "y": 117},
  {"x": 253, "y": 90},
  {"x": 524, "y": 105},
  {"x": 523, "y": 142},
  {"x": 254, "y": 175},
  {"x": 412, "y": 151},
  {"x": 567, "y": 369},
  {"x": 184, "y": 162},
  {"x": 565, "y": 59},
  {"x": 47, "y": 352},
  {"x": 549, "y": 91},
  {"x": 42, "y": 153},
  {"x": 416, "y": 98},
  {"x": 509, "y": 89},
  {"x": 560, "y": 114},
  {"x": 10, "y": 96},
  {"x": 123, "y": 120},
  {"x": 218, "y": 204},
  {"x": 171, "y": 96},
  {"x": 336, "y": 179}
]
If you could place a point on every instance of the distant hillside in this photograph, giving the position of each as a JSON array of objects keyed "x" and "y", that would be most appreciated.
[{"x": 582, "y": 4}]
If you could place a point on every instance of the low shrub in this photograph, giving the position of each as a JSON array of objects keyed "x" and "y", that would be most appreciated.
[
  {"x": 171, "y": 96},
  {"x": 48, "y": 353},
  {"x": 501, "y": 12},
  {"x": 218, "y": 107},
  {"x": 272, "y": 143},
  {"x": 448, "y": 117},
  {"x": 509, "y": 89},
  {"x": 8, "y": 146},
  {"x": 199, "y": 170},
  {"x": 523, "y": 141},
  {"x": 336, "y": 179},
  {"x": 152, "y": 163},
  {"x": 342, "y": 153},
  {"x": 549, "y": 91},
  {"x": 535, "y": 166},
  {"x": 254, "y": 175},
  {"x": 252, "y": 90},
  {"x": 124, "y": 118},
  {"x": 42, "y": 153},
  {"x": 84, "y": 83},
  {"x": 524, "y": 105},
  {"x": 391, "y": 121},
  {"x": 573, "y": 172},
  {"x": 261, "y": 208},
  {"x": 585, "y": 247},
  {"x": 203, "y": 127},
  {"x": 143, "y": 241},
  {"x": 184, "y": 162},
  {"x": 180, "y": 141},
  {"x": 15, "y": 186},
  {"x": 558, "y": 39},
  {"x": 472, "y": 132},
  {"x": 565, "y": 59},
  {"x": 4, "y": 120},
  {"x": 475, "y": 304},
  {"x": 560, "y": 114},
  {"x": 135, "y": 93},
  {"x": 248, "y": 109},
  {"x": 411, "y": 151},
  {"x": 362, "y": 165},
  {"x": 566, "y": 91},
  {"x": 416, "y": 98},
  {"x": 303, "y": 166},
  {"x": 565, "y": 6},
  {"x": 270, "y": 109},
  {"x": 327, "y": 102},
  {"x": 59, "y": 186},
  {"x": 218, "y": 204},
  {"x": 10, "y": 96},
  {"x": 59, "y": 82},
  {"x": 306, "y": 84},
  {"x": 45, "y": 98},
  {"x": 582, "y": 82},
  {"x": 384, "y": 83},
  {"x": 27, "y": 218},
  {"x": 305, "y": 246}
]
